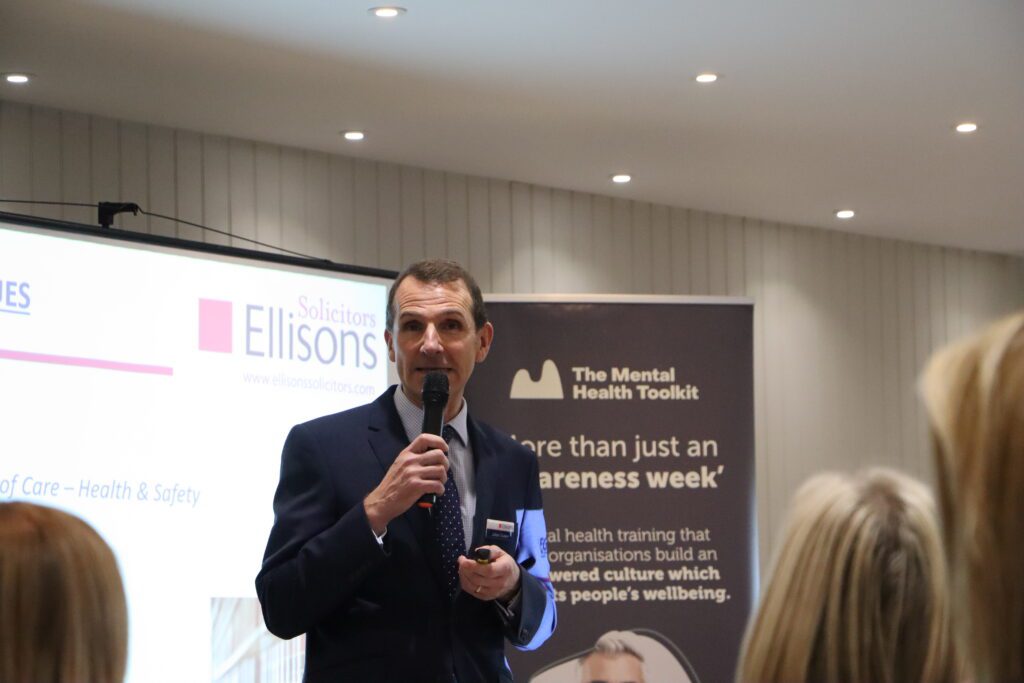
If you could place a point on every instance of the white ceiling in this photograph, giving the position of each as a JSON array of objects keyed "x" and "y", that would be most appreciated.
[{"x": 822, "y": 104}]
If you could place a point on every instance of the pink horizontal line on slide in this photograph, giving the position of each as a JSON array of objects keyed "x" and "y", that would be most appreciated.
[{"x": 86, "y": 362}]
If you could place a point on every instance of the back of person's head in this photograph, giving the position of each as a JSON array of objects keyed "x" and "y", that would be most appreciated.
[
  {"x": 857, "y": 591},
  {"x": 63, "y": 617},
  {"x": 974, "y": 393}
]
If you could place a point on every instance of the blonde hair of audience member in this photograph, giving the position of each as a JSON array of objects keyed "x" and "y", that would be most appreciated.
[
  {"x": 63, "y": 617},
  {"x": 857, "y": 592},
  {"x": 614, "y": 659},
  {"x": 974, "y": 393}
]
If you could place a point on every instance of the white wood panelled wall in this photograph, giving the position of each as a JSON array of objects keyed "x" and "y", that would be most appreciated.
[{"x": 843, "y": 323}]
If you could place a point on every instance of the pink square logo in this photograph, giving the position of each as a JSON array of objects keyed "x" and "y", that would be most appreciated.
[{"x": 215, "y": 325}]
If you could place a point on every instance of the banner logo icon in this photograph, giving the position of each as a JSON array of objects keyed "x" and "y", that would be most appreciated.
[{"x": 548, "y": 386}]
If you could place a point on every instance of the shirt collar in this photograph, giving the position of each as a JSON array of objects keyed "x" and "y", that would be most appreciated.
[{"x": 412, "y": 417}]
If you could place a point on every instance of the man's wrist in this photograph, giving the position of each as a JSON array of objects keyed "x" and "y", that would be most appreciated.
[
  {"x": 508, "y": 605},
  {"x": 378, "y": 521},
  {"x": 509, "y": 596}
]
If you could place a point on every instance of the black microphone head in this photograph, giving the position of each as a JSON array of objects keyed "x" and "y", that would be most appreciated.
[{"x": 435, "y": 388}]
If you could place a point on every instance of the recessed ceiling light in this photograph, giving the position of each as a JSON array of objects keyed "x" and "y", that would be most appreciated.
[
  {"x": 966, "y": 127},
  {"x": 17, "y": 78},
  {"x": 707, "y": 78},
  {"x": 845, "y": 214},
  {"x": 388, "y": 12},
  {"x": 621, "y": 178},
  {"x": 354, "y": 135}
]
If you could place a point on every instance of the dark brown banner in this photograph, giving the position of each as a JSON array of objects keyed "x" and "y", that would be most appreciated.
[{"x": 641, "y": 414}]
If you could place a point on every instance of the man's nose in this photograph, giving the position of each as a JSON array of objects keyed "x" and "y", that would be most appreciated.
[{"x": 431, "y": 340}]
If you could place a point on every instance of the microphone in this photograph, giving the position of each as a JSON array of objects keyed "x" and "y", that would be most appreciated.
[{"x": 435, "y": 398}]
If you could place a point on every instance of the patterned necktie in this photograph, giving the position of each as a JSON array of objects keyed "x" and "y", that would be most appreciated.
[{"x": 447, "y": 519}]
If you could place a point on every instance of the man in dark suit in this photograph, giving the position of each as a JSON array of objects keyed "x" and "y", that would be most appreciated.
[{"x": 383, "y": 589}]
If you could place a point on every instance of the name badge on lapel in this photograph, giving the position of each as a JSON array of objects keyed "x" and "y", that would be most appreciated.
[{"x": 497, "y": 528}]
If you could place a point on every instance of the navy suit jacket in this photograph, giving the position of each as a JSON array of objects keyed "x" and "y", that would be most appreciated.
[{"x": 383, "y": 614}]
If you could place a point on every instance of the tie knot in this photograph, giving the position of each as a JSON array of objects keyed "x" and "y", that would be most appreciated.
[{"x": 448, "y": 433}]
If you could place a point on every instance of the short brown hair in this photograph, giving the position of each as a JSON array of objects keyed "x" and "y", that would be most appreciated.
[
  {"x": 63, "y": 617},
  {"x": 440, "y": 271}
]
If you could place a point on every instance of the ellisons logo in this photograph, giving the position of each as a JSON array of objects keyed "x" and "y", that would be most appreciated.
[
  {"x": 313, "y": 331},
  {"x": 15, "y": 297}
]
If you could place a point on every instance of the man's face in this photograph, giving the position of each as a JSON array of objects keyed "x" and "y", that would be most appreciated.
[
  {"x": 612, "y": 668},
  {"x": 434, "y": 330}
]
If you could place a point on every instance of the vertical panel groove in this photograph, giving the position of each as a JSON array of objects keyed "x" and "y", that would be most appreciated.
[{"x": 202, "y": 184}]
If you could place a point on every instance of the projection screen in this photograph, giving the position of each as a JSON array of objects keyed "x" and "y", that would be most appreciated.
[{"x": 148, "y": 388}]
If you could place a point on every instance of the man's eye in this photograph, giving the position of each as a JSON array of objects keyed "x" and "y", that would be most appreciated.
[
  {"x": 411, "y": 326},
  {"x": 451, "y": 325}
]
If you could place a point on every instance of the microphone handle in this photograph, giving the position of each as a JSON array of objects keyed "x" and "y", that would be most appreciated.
[{"x": 433, "y": 421}]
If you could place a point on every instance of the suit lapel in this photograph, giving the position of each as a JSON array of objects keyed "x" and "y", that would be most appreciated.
[
  {"x": 387, "y": 436},
  {"x": 387, "y": 439},
  {"x": 486, "y": 461}
]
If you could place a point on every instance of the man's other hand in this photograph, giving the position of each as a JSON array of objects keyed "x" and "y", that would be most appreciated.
[
  {"x": 497, "y": 580},
  {"x": 421, "y": 468}
]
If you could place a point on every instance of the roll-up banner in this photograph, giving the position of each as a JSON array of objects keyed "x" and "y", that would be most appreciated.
[{"x": 641, "y": 412}]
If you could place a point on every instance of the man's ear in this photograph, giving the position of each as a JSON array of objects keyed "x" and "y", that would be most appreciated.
[
  {"x": 484, "y": 336},
  {"x": 390, "y": 341}
]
